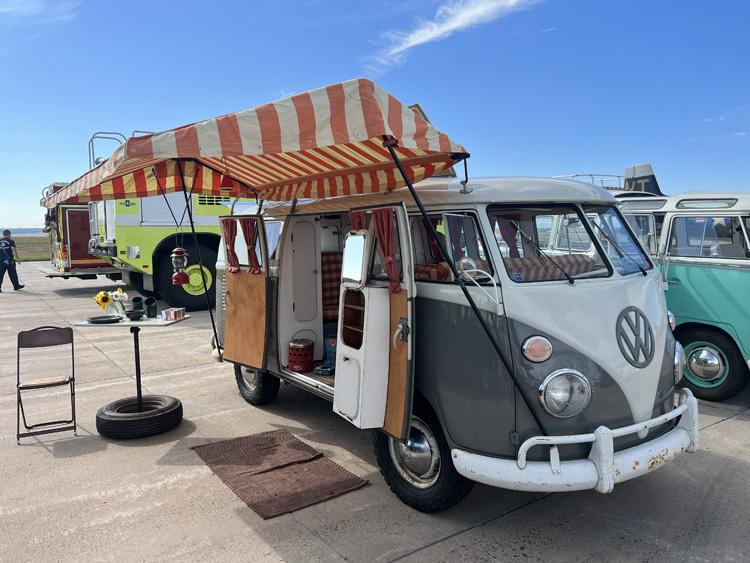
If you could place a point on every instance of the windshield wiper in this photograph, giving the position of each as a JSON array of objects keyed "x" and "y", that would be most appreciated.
[
  {"x": 542, "y": 253},
  {"x": 619, "y": 249}
]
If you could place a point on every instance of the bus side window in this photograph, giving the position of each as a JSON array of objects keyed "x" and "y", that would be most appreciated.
[
  {"x": 708, "y": 237},
  {"x": 466, "y": 242}
]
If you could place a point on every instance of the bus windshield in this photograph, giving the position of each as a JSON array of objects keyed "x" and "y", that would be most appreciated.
[
  {"x": 546, "y": 243},
  {"x": 622, "y": 249}
]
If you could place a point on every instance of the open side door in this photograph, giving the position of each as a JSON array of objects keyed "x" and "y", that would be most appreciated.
[
  {"x": 245, "y": 336},
  {"x": 374, "y": 355}
]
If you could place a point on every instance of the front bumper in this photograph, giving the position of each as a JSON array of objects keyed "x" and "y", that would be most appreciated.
[{"x": 603, "y": 467}]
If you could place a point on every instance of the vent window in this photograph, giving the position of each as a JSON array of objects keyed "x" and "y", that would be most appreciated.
[{"x": 213, "y": 200}]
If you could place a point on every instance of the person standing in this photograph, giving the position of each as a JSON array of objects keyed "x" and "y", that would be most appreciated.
[{"x": 8, "y": 259}]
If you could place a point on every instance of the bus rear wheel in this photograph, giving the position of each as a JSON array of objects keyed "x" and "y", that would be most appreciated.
[
  {"x": 715, "y": 370},
  {"x": 257, "y": 387},
  {"x": 191, "y": 295}
]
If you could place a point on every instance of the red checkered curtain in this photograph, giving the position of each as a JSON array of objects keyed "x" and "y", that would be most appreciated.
[
  {"x": 229, "y": 228},
  {"x": 248, "y": 224},
  {"x": 358, "y": 219},
  {"x": 384, "y": 226}
]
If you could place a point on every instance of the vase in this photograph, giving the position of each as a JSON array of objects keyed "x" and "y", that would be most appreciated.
[{"x": 115, "y": 308}]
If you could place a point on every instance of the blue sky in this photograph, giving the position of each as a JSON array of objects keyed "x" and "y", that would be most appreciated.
[{"x": 542, "y": 87}]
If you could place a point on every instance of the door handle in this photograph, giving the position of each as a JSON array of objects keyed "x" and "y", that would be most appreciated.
[
  {"x": 401, "y": 333},
  {"x": 674, "y": 281}
]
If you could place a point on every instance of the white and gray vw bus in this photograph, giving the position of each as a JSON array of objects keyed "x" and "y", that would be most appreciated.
[{"x": 562, "y": 379}]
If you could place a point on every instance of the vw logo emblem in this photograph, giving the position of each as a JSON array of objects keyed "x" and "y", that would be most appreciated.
[{"x": 635, "y": 337}]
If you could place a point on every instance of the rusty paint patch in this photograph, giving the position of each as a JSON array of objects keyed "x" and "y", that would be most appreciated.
[
  {"x": 636, "y": 464},
  {"x": 656, "y": 461}
]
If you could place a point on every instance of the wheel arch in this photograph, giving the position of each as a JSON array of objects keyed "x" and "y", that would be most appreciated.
[{"x": 685, "y": 328}]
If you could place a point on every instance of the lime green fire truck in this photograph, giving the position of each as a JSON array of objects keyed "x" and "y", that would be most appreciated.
[{"x": 138, "y": 236}]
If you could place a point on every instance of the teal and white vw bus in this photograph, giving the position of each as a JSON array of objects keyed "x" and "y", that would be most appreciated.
[{"x": 702, "y": 244}]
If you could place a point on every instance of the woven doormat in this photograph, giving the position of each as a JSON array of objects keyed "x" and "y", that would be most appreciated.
[{"x": 274, "y": 473}]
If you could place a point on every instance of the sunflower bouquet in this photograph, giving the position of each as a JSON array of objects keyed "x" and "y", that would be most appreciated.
[{"x": 112, "y": 301}]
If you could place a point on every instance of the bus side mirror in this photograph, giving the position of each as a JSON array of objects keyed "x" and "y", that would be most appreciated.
[{"x": 355, "y": 262}]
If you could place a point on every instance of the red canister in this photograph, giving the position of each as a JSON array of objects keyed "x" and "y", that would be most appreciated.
[{"x": 301, "y": 355}]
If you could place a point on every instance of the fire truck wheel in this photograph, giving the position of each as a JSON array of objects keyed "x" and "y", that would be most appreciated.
[
  {"x": 191, "y": 296},
  {"x": 419, "y": 471},
  {"x": 122, "y": 420},
  {"x": 257, "y": 387}
]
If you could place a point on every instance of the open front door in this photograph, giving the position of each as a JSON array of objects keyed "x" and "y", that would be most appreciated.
[
  {"x": 246, "y": 292},
  {"x": 374, "y": 367}
]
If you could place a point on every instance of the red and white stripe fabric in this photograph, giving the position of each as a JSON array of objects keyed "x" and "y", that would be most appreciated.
[{"x": 321, "y": 143}]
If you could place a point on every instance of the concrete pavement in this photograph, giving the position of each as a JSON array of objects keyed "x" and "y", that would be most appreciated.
[{"x": 89, "y": 498}]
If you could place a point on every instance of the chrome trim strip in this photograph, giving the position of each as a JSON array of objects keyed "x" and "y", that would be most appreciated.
[{"x": 711, "y": 262}]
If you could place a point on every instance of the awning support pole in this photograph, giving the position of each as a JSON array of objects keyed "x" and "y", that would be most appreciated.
[
  {"x": 462, "y": 285},
  {"x": 200, "y": 260}
]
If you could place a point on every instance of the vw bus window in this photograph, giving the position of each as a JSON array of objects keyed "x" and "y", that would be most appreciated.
[
  {"x": 708, "y": 237},
  {"x": 544, "y": 226},
  {"x": 355, "y": 259},
  {"x": 465, "y": 242},
  {"x": 429, "y": 262},
  {"x": 622, "y": 249},
  {"x": 520, "y": 233},
  {"x": 572, "y": 235},
  {"x": 644, "y": 227}
]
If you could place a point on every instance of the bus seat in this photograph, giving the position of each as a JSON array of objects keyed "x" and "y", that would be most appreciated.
[
  {"x": 533, "y": 268},
  {"x": 330, "y": 264},
  {"x": 432, "y": 272}
]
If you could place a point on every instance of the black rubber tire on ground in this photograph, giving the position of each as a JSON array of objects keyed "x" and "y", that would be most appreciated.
[
  {"x": 449, "y": 489},
  {"x": 264, "y": 389},
  {"x": 175, "y": 295},
  {"x": 121, "y": 419},
  {"x": 738, "y": 369}
]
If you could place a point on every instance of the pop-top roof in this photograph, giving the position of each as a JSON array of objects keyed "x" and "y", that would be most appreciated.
[{"x": 317, "y": 144}]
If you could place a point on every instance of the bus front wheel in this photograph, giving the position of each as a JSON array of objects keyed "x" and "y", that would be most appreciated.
[
  {"x": 419, "y": 470},
  {"x": 715, "y": 369}
]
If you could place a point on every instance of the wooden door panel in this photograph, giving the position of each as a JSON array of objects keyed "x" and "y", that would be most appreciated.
[
  {"x": 245, "y": 332},
  {"x": 398, "y": 402}
]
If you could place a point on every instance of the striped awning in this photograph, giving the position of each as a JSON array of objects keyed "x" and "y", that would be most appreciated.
[{"x": 323, "y": 143}]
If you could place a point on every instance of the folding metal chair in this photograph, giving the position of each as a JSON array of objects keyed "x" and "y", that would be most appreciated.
[{"x": 43, "y": 337}]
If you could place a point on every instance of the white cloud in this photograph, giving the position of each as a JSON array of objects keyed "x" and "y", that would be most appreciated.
[
  {"x": 451, "y": 17},
  {"x": 740, "y": 133},
  {"x": 25, "y": 12}
]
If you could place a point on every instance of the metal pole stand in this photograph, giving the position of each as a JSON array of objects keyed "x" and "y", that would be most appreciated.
[{"x": 134, "y": 331}]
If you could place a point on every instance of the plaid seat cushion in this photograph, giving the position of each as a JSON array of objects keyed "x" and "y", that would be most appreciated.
[
  {"x": 330, "y": 264},
  {"x": 432, "y": 272},
  {"x": 536, "y": 268}
]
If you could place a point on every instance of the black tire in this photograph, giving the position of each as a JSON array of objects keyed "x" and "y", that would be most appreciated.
[
  {"x": 176, "y": 295},
  {"x": 436, "y": 493},
  {"x": 735, "y": 379},
  {"x": 256, "y": 387},
  {"x": 121, "y": 419}
]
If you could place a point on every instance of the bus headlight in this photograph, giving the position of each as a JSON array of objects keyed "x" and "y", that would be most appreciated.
[
  {"x": 671, "y": 320},
  {"x": 565, "y": 393},
  {"x": 679, "y": 362}
]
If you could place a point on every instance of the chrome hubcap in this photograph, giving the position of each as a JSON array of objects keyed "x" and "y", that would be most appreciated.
[
  {"x": 706, "y": 363},
  {"x": 251, "y": 377},
  {"x": 417, "y": 459}
]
